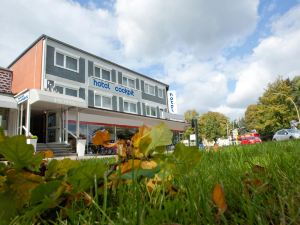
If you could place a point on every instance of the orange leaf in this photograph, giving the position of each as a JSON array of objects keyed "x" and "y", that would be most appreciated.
[
  {"x": 219, "y": 198},
  {"x": 148, "y": 164},
  {"x": 102, "y": 137}
]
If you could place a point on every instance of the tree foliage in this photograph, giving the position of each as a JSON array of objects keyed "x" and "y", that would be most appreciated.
[
  {"x": 213, "y": 125},
  {"x": 275, "y": 108}
]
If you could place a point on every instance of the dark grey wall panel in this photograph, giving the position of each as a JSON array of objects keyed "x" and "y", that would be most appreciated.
[
  {"x": 153, "y": 98},
  {"x": 91, "y": 98},
  {"x": 90, "y": 68},
  {"x": 120, "y": 77},
  {"x": 158, "y": 112},
  {"x": 156, "y": 91},
  {"x": 121, "y": 109},
  {"x": 61, "y": 72},
  {"x": 114, "y": 103},
  {"x": 113, "y": 76},
  {"x": 82, "y": 93},
  {"x": 137, "y": 84},
  {"x": 139, "y": 108},
  {"x": 144, "y": 109},
  {"x": 142, "y": 86}
]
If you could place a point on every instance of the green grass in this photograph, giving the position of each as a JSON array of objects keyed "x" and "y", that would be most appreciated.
[{"x": 276, "y": 201}]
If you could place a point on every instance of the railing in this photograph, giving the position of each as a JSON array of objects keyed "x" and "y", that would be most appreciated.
[
  {"x": 170, "y": 116},
  {"x": 69, "y": 132},
  {"x": 26, "y": 131}
]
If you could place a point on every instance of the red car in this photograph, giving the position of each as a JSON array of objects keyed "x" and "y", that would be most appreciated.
[{"x": 250, "y": 140}]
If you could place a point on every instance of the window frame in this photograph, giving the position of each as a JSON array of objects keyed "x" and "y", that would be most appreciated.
[
  {"x": 147, "y": 90},
  {"x": 62, "y": 85},
  {"x": 130, "y": 102},
  {"x": 150, "y": 115},
  {"x": 101, "y": 68},
  {"x": 162, "y": 92},
  {"x": 128, "y": 78},
  {"x": 102, "y": 95},
  {"x": 65, "y": 55}
]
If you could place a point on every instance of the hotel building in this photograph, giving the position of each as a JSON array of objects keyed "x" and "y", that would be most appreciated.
[{"x": 62, "y": 91}]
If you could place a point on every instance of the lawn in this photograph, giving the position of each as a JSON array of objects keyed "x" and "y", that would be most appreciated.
[{"x": 261, "y": 184}]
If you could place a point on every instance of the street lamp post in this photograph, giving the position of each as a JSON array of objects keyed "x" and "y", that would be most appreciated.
[{"x": 289, "y": 98}]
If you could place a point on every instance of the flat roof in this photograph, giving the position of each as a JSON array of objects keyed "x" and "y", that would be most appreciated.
[
  {"x": 3, "y": 68},
  {"x": 44, "y": 36}
]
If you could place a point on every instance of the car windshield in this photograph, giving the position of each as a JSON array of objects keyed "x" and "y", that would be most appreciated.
[{"x": 294, "y": 131}]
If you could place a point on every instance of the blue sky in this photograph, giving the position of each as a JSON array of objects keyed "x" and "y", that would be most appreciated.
[{"x": 217, "y": 55}]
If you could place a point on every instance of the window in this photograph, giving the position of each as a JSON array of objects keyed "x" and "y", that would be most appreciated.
[
  {"x": 149, "y": 89},
  {"x": 103, "y": 101},
  {"x": 128, "y": 82},
  {"x": 97, "y": 72},
  {"x": 71, "y": 92},
  {"x": 105, "y": 75},
  {"x": 102, "y": 73},
  {"x": 130, "y": 107},
  {"x": 160, "y": 92},
  {"x": 151, "y": 111},
  {"x": 66, "y": 61}
]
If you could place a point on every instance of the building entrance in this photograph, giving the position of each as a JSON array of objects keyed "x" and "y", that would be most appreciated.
[{"x": 38, "y": 126}]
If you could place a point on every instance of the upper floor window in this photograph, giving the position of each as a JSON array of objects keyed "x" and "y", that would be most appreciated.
[
  {"x": 66, "y": 61},
  {"x": 129, "y": 82},
  {"x": 103, "y": 101},
  {"x": 102, "y": 73},
  {"x": 149, "y": 89},
  {"x": 151, "y": 111},
  {"x": 160, "y": 92},
  {"x": 130, "y": 107}
]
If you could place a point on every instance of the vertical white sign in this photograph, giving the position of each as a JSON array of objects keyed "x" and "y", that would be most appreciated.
[{"x": 172, "y": 102}]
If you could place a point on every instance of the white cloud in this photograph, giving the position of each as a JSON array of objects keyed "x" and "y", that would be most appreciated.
[
  {"x": 24, "y": 21},
  {"x": 275, "y": 55},
  {"x": 153, "y": 28}
]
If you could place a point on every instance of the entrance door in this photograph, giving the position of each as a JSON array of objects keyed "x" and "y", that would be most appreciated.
[
  {"x": 53, "y": 127},
  {"x": 38, "y": 126}
]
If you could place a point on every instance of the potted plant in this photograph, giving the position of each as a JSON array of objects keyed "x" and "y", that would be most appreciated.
[
  {"x": 32, "y": 140},
  {"x": 80, "y": 145}
]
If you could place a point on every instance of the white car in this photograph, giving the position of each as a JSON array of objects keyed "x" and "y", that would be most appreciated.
[{"x": 286, "y": 134}]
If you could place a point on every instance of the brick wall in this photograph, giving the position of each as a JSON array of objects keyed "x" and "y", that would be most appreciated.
[{"x": 5, "y": 81}]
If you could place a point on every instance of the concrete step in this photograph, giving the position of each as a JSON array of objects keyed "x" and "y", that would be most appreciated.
[{"x": 58, "y": 149}]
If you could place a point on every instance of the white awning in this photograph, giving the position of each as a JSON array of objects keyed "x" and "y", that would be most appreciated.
[
  {"x": 56, "y": 98},
  {"x": 7, "y": 102}
]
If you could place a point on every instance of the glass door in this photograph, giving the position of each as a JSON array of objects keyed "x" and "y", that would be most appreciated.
[{"x": 53, "y": 127}]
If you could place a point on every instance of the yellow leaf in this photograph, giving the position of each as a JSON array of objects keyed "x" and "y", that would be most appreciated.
[
  {"x": 148, "y": 164},
  {"x": 219, "y": 198},
  {"x": 143, "y": 132},
  {"x": 46, "y": 153},
  {"x": 129, "y": 165}
]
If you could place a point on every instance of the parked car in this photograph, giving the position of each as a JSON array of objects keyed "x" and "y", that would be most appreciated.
[
  {"x": 250, "y": 140},
  {"x": 286, "y": 134}
]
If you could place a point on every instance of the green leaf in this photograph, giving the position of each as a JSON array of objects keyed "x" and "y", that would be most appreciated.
[
  {"x": 160, "y": 135},
  {"x": 150, "y": 173},
  {"x": 60, "y": 168},
  {"x": 186, "y": 158},
  {"x": 83, "y": 177},
  {"x": 45, "y": 190},
  {"x": 15, "y": 150}
]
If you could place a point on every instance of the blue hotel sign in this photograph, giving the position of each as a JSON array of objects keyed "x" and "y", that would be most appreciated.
[{"x": 115, "y": 88}]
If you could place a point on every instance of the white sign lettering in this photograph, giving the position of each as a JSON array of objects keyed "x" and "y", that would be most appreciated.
[{"x": 22, "y": 98}]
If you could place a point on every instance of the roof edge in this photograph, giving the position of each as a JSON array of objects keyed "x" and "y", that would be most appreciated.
[
  {"x": 44, "y": 36},
  {"x": 26, "y": 50}
]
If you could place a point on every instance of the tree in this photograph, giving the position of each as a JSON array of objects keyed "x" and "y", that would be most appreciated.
[
  {"x": 213, "y": 125},
  {"x": 274, "y": 110},
  {"x": 188, "y": 116}
]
